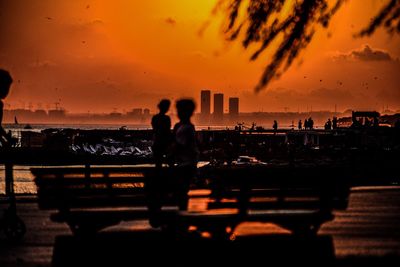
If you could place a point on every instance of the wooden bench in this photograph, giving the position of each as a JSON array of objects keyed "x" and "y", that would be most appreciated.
[
  {"x": 89, "y": 199},
  {"x": 297, "y": 198}
]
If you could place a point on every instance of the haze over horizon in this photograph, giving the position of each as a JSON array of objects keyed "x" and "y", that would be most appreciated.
[{"x": 101, "y": 56}]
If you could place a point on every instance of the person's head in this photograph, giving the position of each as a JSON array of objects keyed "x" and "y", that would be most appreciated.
[
  {"x": 185, "y": 109},
  {"x": 164, "y": 105},
  {"x": 5, "y": 82}
]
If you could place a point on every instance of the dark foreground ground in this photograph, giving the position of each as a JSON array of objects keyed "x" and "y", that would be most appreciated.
[{"x": 366, "y": 234}]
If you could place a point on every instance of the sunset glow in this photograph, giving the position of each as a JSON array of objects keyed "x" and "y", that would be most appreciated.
[{"x": 100, "y": 56}]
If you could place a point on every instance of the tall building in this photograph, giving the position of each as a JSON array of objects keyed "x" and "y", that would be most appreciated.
[
  {"x": 205, "y": 100},
  {"x": 233, "y": 107},
  {"x": 218, "y": 107}
]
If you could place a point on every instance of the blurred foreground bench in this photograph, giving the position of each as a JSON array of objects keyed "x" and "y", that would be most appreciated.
[{"x": 89, "y": 199}]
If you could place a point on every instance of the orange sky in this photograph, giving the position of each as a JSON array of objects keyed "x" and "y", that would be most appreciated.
[{"x": 100, "y": 56}]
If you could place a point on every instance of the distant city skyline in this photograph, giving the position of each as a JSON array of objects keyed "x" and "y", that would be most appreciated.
[
  {"x": 142, "y": 116},
  {"x": 382, "y": 109}
]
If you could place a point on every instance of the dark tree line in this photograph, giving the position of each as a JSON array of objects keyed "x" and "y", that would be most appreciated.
[{"x": 291, "y": 25}]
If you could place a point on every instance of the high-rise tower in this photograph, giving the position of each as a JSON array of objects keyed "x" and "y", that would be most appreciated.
[{"x": 218, "y": 107}]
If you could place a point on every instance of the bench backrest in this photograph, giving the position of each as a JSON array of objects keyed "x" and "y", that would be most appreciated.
[
  {"x": 77, "y": 187},
  {"x": 278, "y": 187},
  {"x": 263, "y": 187}
]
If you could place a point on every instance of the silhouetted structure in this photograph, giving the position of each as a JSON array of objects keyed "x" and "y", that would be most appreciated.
[
  {"x": 362, "y": 118},
  {"x": 135, "y": 113},
  {"x": 218, "y": 108},
  {"x": 205, "y": 97},
  {"x": 57, "y": 113},
  {"x": 234, "y": 108}
]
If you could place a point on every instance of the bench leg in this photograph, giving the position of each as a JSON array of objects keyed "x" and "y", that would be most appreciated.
[
  {"x": 81, "y": 229},
  {"x": 88, "y": 228},
  {"x": 306, "y": 230},
  {"x": 224, "y": 231},
  {"x": 14, "y": 228}
]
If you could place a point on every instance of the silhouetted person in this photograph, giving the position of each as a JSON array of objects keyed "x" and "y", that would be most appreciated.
[
  {"x": 334, "y": 123},
  {"x": 328, "y": 125},
  {"x": 185, "y": 151},
  {"x": 162, "y": 138},
  {"x": 300, "y": 125},
  {"x": 306, "y": 124},
  {"x": 5, "y": 83},
  {"x": 275, "y": 126},
  {"x": 310, "y": 123}
]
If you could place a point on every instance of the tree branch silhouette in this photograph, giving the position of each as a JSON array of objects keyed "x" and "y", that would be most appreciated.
[
  {"x": 263, "y": 24},
  {"x": 388, "y": 17}
]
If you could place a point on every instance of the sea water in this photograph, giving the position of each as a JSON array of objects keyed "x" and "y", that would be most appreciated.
[{"x": 23, "y": 178}]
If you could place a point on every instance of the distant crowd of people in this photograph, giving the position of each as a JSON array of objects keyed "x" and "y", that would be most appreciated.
[
  {"x": 329, "y": 125},
  {"x": 309, "y": 124}
]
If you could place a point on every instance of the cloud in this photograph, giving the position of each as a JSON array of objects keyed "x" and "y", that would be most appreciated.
[
  {"x": 365, "y": 53},
  {"x": 170, "y": 21}
]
